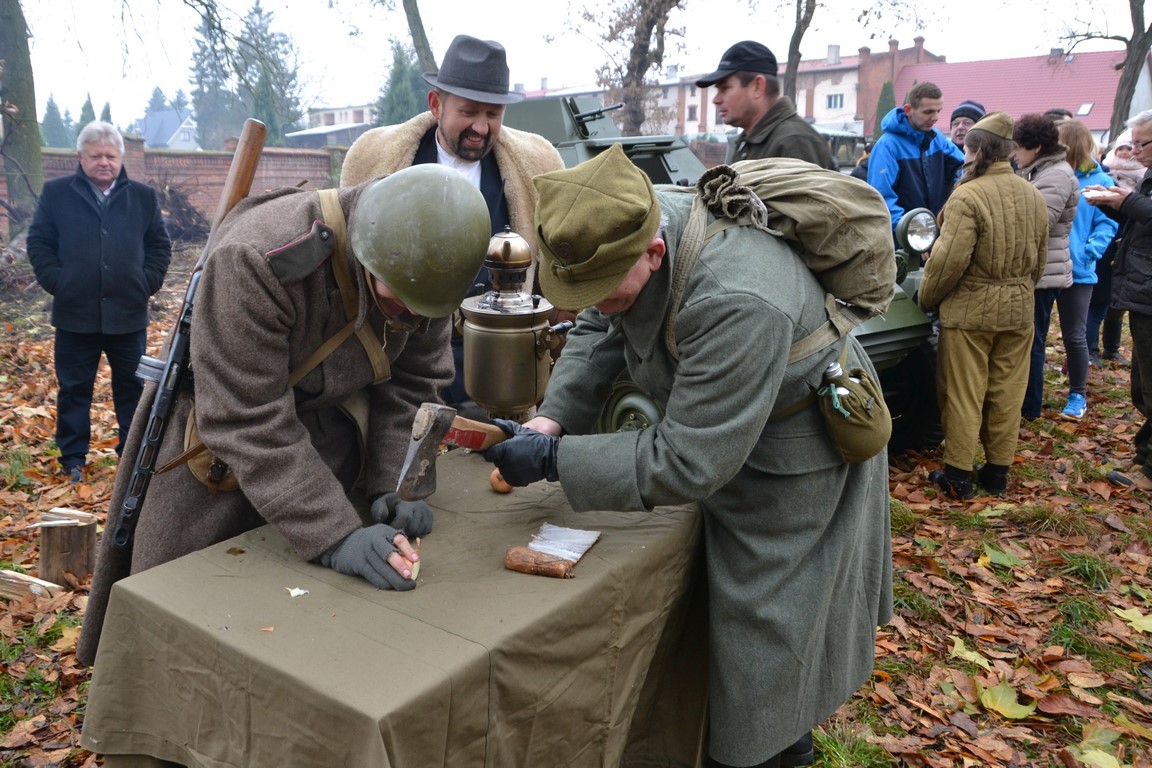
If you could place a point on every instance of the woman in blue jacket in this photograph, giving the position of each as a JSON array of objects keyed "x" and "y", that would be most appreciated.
[{"x": 1091, "y": 233}]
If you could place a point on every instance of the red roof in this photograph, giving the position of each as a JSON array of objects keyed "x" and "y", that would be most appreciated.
[{"x": 1024, "y": 86}]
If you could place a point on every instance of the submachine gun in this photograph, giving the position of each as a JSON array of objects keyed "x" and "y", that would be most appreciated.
[{"x": 171, "y": 372}]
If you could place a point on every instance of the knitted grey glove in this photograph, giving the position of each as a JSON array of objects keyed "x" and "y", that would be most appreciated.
[
  {"x": 364, "y": 552},
  {"x": 414, "y": 518}
]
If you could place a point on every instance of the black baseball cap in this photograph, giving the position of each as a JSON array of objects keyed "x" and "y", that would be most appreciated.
[{"x": 746, "y": 56}]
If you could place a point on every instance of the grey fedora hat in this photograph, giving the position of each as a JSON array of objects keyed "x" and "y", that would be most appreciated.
[{"x": 474, "y": 69}]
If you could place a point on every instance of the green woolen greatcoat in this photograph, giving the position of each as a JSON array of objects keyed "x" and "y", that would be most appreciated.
[
  {"x": 798, "y": 544},
  {"x": 260, "y": 312}
]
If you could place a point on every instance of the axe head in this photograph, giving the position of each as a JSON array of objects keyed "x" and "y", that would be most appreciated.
[{"x": 418, "y": 475}]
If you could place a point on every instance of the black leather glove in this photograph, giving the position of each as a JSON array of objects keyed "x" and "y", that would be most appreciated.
[
  {"x": 364, "y": 552},
  {"x": 526, "y": 456},
  {"x": 414, "y": 518}
]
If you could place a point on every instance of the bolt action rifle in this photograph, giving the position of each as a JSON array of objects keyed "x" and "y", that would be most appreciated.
[{"x": 171, "y": 372}]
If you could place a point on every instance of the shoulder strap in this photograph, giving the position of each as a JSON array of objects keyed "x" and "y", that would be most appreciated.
[
  {"x": 334, "y": 218},
  {"x": 696, "y": 235}
]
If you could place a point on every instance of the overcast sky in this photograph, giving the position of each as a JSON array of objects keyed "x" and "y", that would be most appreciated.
[{"x": 119, "y": 50}]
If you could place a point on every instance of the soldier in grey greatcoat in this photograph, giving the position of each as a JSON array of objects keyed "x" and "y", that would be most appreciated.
[
  {"x": 312, "y": 347},
  {"x": 797, "y": 542}
]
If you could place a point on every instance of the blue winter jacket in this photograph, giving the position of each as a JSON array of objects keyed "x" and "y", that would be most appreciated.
[
  {"x": 1092, "y": 230},
  {"x": 100, "y": 262},
  {"x": 912, "y": 168}
]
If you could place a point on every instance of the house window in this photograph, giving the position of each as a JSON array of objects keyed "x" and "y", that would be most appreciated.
[
  {"x": 692, "y": 112},
  {"x": 1085, "y": 109},
  {"x": 185, "y": 135},
  {"x": 691, "y": 91},
  {"x": 835, "y": 101},
  {"x": 358, "y": 116},
  {"x": 664, "y": 93}
]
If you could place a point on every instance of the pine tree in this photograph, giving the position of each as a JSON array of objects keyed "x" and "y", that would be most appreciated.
[
  {"x": 106, "y": 113},
  {"x": 70, "y": 126},
  {"x": 52, "y": 130},
  {"x": 214, "y": 100},
  {"x": 270, "y": 62},
  {"x": 179, "y": 103},
  {"x": 405, "y": 94},
  {"x": 157, "y": 103},
  {"x": 87, "y": 113},
  {"x": 885, "y": 104}
]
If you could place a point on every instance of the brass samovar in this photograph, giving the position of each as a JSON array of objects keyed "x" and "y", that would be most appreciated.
[{"x": 507, "y": 338}]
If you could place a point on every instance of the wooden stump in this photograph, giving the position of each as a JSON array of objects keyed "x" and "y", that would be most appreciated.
[{"x": 67, "y": 545}]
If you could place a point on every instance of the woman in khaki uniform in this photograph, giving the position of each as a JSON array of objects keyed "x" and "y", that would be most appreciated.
[{"x": 981, "y": 277}]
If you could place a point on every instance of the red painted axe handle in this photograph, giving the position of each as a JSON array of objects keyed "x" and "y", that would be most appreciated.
[{"x": 475, "y": 435}]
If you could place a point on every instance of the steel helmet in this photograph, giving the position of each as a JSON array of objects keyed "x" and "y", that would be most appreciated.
[{"x": 423, "y": 232}]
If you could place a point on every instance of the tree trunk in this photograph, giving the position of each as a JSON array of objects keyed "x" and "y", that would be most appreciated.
[
  {"x": 419, "y": 38},
  {"x": 804, "y": 12},
  {"x": 21, "y": 131},
  {"x": 1134, "y": 63}
]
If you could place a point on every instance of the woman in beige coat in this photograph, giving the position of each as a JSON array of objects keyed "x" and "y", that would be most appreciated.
[
  {"x": 1042, "y": 160},
  {"x": 980, "y": 278}
]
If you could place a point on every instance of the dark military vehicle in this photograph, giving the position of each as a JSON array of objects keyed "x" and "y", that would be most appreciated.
[{"x": 898, "y": 343}]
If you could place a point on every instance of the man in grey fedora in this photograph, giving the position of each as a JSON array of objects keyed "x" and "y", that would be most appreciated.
[{"x": 463, "y": 128}]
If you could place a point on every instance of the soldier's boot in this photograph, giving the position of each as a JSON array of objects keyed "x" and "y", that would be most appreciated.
[
  {"x": 993, "y": 478},
  {"x": 955, "y": 482}
]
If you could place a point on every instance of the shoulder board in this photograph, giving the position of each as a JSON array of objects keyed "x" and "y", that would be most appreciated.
[{"x": 302, "y": 256}]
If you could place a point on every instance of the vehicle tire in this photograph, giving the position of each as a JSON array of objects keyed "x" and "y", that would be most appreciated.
[{"x": 910, "y": 391}]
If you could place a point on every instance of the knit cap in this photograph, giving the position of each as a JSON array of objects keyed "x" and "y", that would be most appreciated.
[{"x": 968, "y": 108}]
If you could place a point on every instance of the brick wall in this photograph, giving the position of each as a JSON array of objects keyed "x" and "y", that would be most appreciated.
[{"x": 201, "y": 175}]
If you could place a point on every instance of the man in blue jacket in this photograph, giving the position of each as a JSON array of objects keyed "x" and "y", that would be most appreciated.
[
  {"x": 97, "y": 244},
  {"x": 913, "y": 165}
]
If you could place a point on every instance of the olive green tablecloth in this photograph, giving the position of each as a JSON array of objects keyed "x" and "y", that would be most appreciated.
[{"x": 209, "y": 661}]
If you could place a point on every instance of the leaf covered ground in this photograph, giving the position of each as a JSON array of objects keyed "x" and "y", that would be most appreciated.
[{"x": 1023, "y": 627}]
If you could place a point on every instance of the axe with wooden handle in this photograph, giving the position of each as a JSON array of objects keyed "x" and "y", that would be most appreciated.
[{"x": 434, "y": 425}]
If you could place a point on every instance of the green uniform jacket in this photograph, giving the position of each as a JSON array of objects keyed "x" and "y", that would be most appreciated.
[
  {"x": 992, "y": 250},
  {"x": 798, "y": 543},
  {"x": 267, "y": 300}
]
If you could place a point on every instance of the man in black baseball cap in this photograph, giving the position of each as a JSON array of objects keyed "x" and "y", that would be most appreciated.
[{"x": 748, "y": 96}]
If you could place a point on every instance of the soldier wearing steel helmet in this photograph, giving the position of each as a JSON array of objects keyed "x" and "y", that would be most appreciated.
[{"x": 312, "y": 347}]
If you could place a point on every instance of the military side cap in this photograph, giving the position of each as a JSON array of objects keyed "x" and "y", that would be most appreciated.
[
  {"x": 594, "y": 221},
  {"x": 999, "y": 123}
]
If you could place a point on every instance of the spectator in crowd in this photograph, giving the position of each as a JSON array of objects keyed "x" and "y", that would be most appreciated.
[
  {"x": 1042, "y": 160},
  {"x": 1124, "y": 168},
  {"x": 464, "y": 129},
  {"x": 97, "y": 244},
  {"x": 1131, "y": 289},
  {"x": 796, "y": 541},
  {"x": 914, "y": 165},
  {"x": 966, "y": 114},
  {"x": 748, "y": 97},
  {"x": 1105, "y": 325},
  {"x": 861, "y": 169},
  {"x": 980, "y": 277},
  {"x": 1058, "y": 114},
  {"x": 1091, "y": 234}
]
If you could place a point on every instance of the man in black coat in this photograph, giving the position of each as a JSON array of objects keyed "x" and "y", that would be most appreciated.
[
  {"x": 1130, "y": 287},
  {"x": 97, "y": 244}
]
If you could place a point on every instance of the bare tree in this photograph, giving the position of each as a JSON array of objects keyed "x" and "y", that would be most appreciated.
[
  {"x": 633, "y": 39},
  {"x": 420, "y": 44},
  {"x": 1137, "y": 47},
  {"x": 805, "y": 10},
  {"x": 19, "y": 131}
]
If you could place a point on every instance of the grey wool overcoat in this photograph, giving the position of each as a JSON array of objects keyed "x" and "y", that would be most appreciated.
[
  {"x": 266, "y": 302},
  {"x": 798, "y": 549}
]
